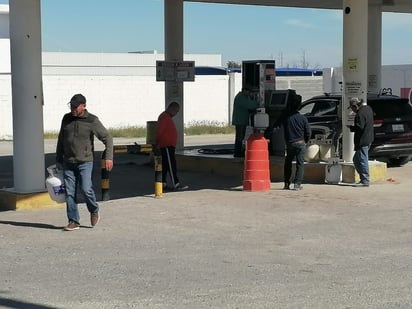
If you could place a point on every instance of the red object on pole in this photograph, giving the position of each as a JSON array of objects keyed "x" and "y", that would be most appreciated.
[{"x": 256, "y": 175}]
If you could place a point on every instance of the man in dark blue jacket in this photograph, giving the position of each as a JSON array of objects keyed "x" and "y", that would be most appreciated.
[{"x": 297, "y": 133}]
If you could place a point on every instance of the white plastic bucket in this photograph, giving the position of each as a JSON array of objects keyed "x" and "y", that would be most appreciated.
[{"x": 55, "y": 184}]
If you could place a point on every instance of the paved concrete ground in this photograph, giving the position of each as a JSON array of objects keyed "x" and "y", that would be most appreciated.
[{"x": 215, "y": 246}]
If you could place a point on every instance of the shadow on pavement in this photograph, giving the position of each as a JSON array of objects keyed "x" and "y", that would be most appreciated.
[
  {"x": 132, "y": 175},
  {"x": 32, "y": 224},
  {"x": 12, "y": 303}
]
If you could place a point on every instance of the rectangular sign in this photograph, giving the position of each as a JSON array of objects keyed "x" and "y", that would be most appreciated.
[
  {"x": 165, "y": 71},
  {"x": 353, "y": 88},
  {"x": 175, "y": 71}
]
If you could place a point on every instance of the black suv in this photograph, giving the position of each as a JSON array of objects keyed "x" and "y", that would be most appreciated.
[{"x": 392, "y": 125}]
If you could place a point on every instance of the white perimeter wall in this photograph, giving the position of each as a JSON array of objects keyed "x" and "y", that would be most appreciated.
[
  {"x": 6, "y": 124},
  {"x": 5, "y": 66},
  {"x": 122, "y": 101}
]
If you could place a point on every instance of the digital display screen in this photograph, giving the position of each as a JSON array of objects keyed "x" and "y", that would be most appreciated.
[{"x": 278, "y": 99}]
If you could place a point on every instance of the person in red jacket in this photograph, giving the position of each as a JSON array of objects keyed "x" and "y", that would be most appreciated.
[{"x": 166, "y": 140}]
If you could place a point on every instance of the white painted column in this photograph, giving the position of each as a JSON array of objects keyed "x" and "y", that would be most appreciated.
[
  {"x": 27, "y": 96},
  {"x": 355, "y": 45},
  {"x": 174, "y": 52},
  {"x": 231, "y": 96},
  {"x": 375, "y": 48}
]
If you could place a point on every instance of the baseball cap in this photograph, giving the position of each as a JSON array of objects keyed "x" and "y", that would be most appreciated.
[
  {"x": 76, "y": 100},
  {"x": 355, "y": 101}
]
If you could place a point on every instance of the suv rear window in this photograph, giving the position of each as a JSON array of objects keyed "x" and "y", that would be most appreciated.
[
  {"x": 390, "y": 108},
  {"x": 319, "y": 108}
]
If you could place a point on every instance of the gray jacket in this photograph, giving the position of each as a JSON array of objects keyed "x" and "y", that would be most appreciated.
[{"x": 75, "y": 143}]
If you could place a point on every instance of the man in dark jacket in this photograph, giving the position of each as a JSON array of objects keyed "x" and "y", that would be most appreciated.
[
  {"x": 74, "y": 153},
  {"x": 363, "y": 138},
  {"x": 297, "y": 133},
  {"x": 243, "y": 106}
]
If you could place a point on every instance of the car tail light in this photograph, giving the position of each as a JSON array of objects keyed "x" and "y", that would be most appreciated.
[{"x": 377, "y": 123}]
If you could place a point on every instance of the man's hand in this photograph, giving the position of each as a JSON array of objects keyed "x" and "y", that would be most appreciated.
[
  {"x": 109, "y": 165},
  {"x": 59, "y": 166}
]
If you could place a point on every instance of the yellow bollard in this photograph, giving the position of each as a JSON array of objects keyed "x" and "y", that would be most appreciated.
[
  {"x": 158, "y": 176},
  {"x": 105, "y": 183}
]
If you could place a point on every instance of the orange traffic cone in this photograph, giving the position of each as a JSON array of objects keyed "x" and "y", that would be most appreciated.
[{"x": 256, "y": 175}]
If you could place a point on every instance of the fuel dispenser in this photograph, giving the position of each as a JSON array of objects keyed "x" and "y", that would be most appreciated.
[{"x": 260, "y": 77}]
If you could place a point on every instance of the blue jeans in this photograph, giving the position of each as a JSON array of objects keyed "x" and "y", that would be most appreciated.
[
  {"x": 361, "y": 163},
  {"x": 79, "y": 174},
  {"x": 294, "y": 151}
]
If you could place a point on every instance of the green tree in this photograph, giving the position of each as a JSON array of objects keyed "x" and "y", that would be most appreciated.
[{"x": 233, "y": 64}]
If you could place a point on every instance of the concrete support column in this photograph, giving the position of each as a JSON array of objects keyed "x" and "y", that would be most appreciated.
[
  {"x": 355, "y": 46},
  {"x": 375, "y": 48},
  {"x": 231, "y": 96},
  {"x": 173, "y": 24},
  {"x": 27, "y": 96}
]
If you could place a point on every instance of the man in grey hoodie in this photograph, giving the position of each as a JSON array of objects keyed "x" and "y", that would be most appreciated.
[{"x": 74, "y": 153}]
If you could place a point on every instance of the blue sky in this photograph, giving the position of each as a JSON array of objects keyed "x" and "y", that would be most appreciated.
[{"x": 237, "y": 32}]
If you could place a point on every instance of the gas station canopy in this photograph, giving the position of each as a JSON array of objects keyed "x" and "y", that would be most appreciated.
[{"x": 399, "y": 6}]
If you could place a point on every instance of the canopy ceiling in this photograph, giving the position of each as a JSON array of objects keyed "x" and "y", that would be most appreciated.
[{"x": 400, "y": 6}]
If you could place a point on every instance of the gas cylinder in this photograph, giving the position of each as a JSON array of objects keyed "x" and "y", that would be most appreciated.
[
  {"x": 312, "y": 153},
  {"x": 325, "y": 152},
  {"x": 55, "y": 184}
]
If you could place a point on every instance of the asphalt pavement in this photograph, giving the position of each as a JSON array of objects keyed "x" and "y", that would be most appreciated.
[{"x": 213, "y": 245}]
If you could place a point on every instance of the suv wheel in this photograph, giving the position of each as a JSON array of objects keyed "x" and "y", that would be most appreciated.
[{"x": 399, "y": 161}]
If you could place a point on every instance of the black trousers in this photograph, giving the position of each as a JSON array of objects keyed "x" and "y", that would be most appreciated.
[
  {"x": 239, "y": 136},
  {"x": 169, "y": 164}
]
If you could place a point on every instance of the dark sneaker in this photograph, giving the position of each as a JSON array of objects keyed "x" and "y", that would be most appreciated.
[
  {"x": 72, "y": 226},
  {"x": 297, "y": 187},
  {"x": 361, "y": 184},
  {"x": 286, "y": 186},
  {"x": 180, "y": 187},
  {"x": 94, "y": 218}
]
